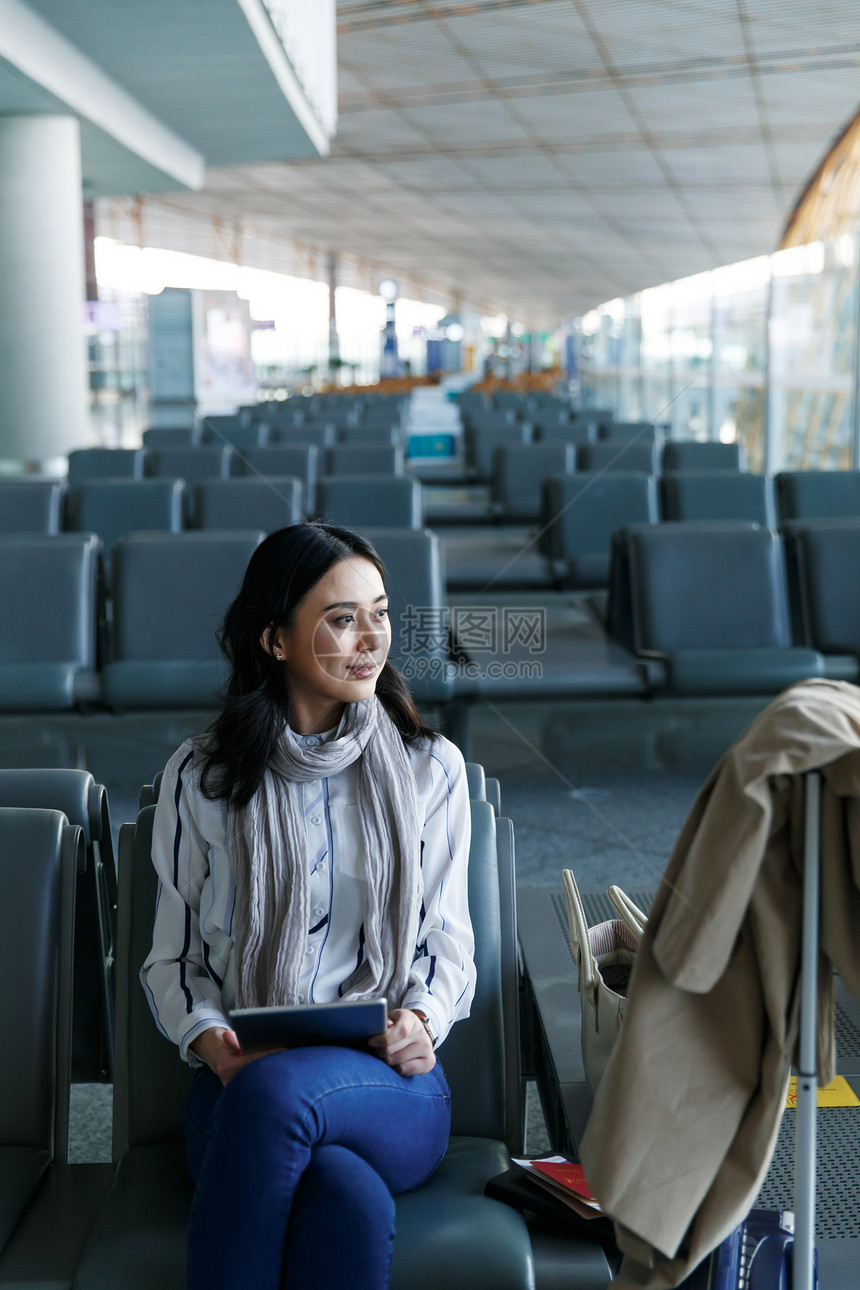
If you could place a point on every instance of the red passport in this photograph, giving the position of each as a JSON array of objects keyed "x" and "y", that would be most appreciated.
[{"x": 569, "y": 1176}]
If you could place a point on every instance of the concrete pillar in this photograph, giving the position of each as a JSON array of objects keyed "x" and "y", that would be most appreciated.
[{"x": 43, "y": 381}]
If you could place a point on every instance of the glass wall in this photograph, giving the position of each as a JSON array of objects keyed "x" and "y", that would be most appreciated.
[{"x": 764, "y": 352}]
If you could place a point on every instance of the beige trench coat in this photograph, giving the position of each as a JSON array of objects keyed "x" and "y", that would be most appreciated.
[{"x": 686, "y": 1116}]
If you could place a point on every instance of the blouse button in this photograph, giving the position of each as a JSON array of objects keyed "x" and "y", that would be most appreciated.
[
  {"x": 301, "y": 998},
  {"x": 312, "y": 741},
  {"x": 319, "y": 911},
  {"x": 309, "y": 953},
  {"x": 316, "y": 819}
]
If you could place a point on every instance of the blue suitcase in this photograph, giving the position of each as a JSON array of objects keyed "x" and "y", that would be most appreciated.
[{"x": 757, "y": 1255}]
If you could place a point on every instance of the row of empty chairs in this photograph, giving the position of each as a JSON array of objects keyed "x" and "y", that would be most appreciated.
[
  {"x": 229, "y": 432},
  {"x": 147, "y": 638},
  {"x": 734, "y": 609},
  {"x": 223, "y": 462},
  {"x": 114, "y": 507},
  {"x": 490, "y": 448},
  {"x": 579, "y": 513},
  {"x": 157, "y": 648}
]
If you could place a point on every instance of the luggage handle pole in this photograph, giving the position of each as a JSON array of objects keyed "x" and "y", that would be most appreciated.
[{"x": 803, "y": 1255}]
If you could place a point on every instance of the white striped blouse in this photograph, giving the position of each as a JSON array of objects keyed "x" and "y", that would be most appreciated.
[{"x": 189, "y": 975}]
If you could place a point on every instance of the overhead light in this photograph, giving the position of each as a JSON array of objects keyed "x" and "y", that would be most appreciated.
[
  {"x": 455, "y": 331},
  {"x": 388, "y": 289}
]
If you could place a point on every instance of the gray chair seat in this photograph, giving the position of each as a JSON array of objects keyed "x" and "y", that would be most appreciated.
[
  {"x": 158, "y": 437},
  {"x": 105, "y": 463},
  {"x": 718, "y": 495},
  {"x": 31, "y": 505},
  {"x": 21, "y": 1169},
  {"x": 247, "y": 503},
  {"x": 690, "y": 455},
  {"x": 618, "y": 432},
  {"x": 299, "y": 459},
  {"x": 620, "y": 455},
  {"x": 114, "y": 507},
  {"x": 363, "y": 501},
  {"x": 581, "y": 512},
  {"x": 482, "y": 440},
  {"x": 40, "y": 855},
  {"x": 518, "y": 474},
  {"x": 48, "y": 645},
  {"x": 817, "y": 494},
  {"x": 350, "y": 458},
  {"x": 212, "y": 461},
  {"x": 85, "y": 805},
  {"x": 415, "y": 581},
  {"x": 139, "y": 1237},
  {"x": 826, "y": 568},
  {"x": 710, "y": 608},
  {"x": 449, "y": 1234},
  {"x": 163, "y": 649}
]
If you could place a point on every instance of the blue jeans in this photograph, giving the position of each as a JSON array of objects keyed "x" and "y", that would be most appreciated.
[{"x": 295, "y": 1163}]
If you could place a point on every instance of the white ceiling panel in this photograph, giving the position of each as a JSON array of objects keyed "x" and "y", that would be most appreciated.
[
  {"x": 544, "y": 155},
  {"x": 639, "y": 33}
]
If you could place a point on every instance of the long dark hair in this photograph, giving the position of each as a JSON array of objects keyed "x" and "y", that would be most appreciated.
[{"x": 236, "y": 748}]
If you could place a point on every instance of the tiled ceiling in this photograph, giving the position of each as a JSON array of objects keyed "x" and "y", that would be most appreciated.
[{"x": 540, "y": 156}]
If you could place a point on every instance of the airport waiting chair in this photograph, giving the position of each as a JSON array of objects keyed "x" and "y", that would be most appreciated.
[
  {"x": 630, "y": 432},
  {"x": 370, "y": 432},
  {"x": 581, "y": 512},
  {"x": 709, "y": 610},
  {"x": 85, "y": 805},
  {"x": 114, "y": 507},
  {"x": 248, "y": 503},
  {"x": 360, "y": 501},
  {"x": 31, "y": 505},
  {"x": 448, "y": 1232},
  {"x": 169, "y": 593},
  {"x": 321, "y": 434},
  {"x": 518, "y": 474},
  {"x": 46, "y": 1204},
  {"x": 230, "y": 433},
  {"x": 372, "y": 458},
  {"x": 48, "y": 635},
  {"x": 40, "y": 855},
  {"x": 298, "y": 459},
  {"x": 824, "y": 560},
  {"x": 690, "y": 455},
  {"x": 482, "y": 441},
  {"x": 575, "y": 431},
  {"x": 415, "y": 582},
  {"x": 212, "y": 461},
  {"x": 618, "y": 455},
  {"x": 718, "y": 495},
  {"x": 105, "y": 463},
  {"x": 158, "y": 437},
  {"x": 817, "y": 494}
]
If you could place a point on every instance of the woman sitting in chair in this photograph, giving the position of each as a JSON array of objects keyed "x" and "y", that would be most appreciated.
[{"x": 311, "y": 847}]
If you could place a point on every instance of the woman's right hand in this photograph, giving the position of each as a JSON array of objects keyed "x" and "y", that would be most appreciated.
[{"x": 220, "y": 1049}]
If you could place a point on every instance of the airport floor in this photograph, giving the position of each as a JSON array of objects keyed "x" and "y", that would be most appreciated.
[{"x": 600, "y": 787}]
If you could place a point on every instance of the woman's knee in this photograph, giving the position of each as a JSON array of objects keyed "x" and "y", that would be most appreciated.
[
  {"x": 265, "y": 1092},
  {"x": 341, "y": 1183}
]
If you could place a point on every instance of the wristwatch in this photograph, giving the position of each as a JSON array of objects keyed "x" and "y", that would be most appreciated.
[{"x": 425, "y": 1022}]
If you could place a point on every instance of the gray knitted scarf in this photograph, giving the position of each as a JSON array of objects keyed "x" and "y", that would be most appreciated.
[{"x": 267, "y": 846}]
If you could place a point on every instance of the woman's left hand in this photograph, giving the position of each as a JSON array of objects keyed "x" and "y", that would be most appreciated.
[{"x": 405, "y": 1045}]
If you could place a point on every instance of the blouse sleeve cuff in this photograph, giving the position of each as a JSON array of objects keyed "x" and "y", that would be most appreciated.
[
  {"x": 198, "y": 1021},
  {"x": 439, "y": 1026}
]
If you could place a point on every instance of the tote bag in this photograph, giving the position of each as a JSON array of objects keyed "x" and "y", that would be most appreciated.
[{"x": 604, "y": 956}]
